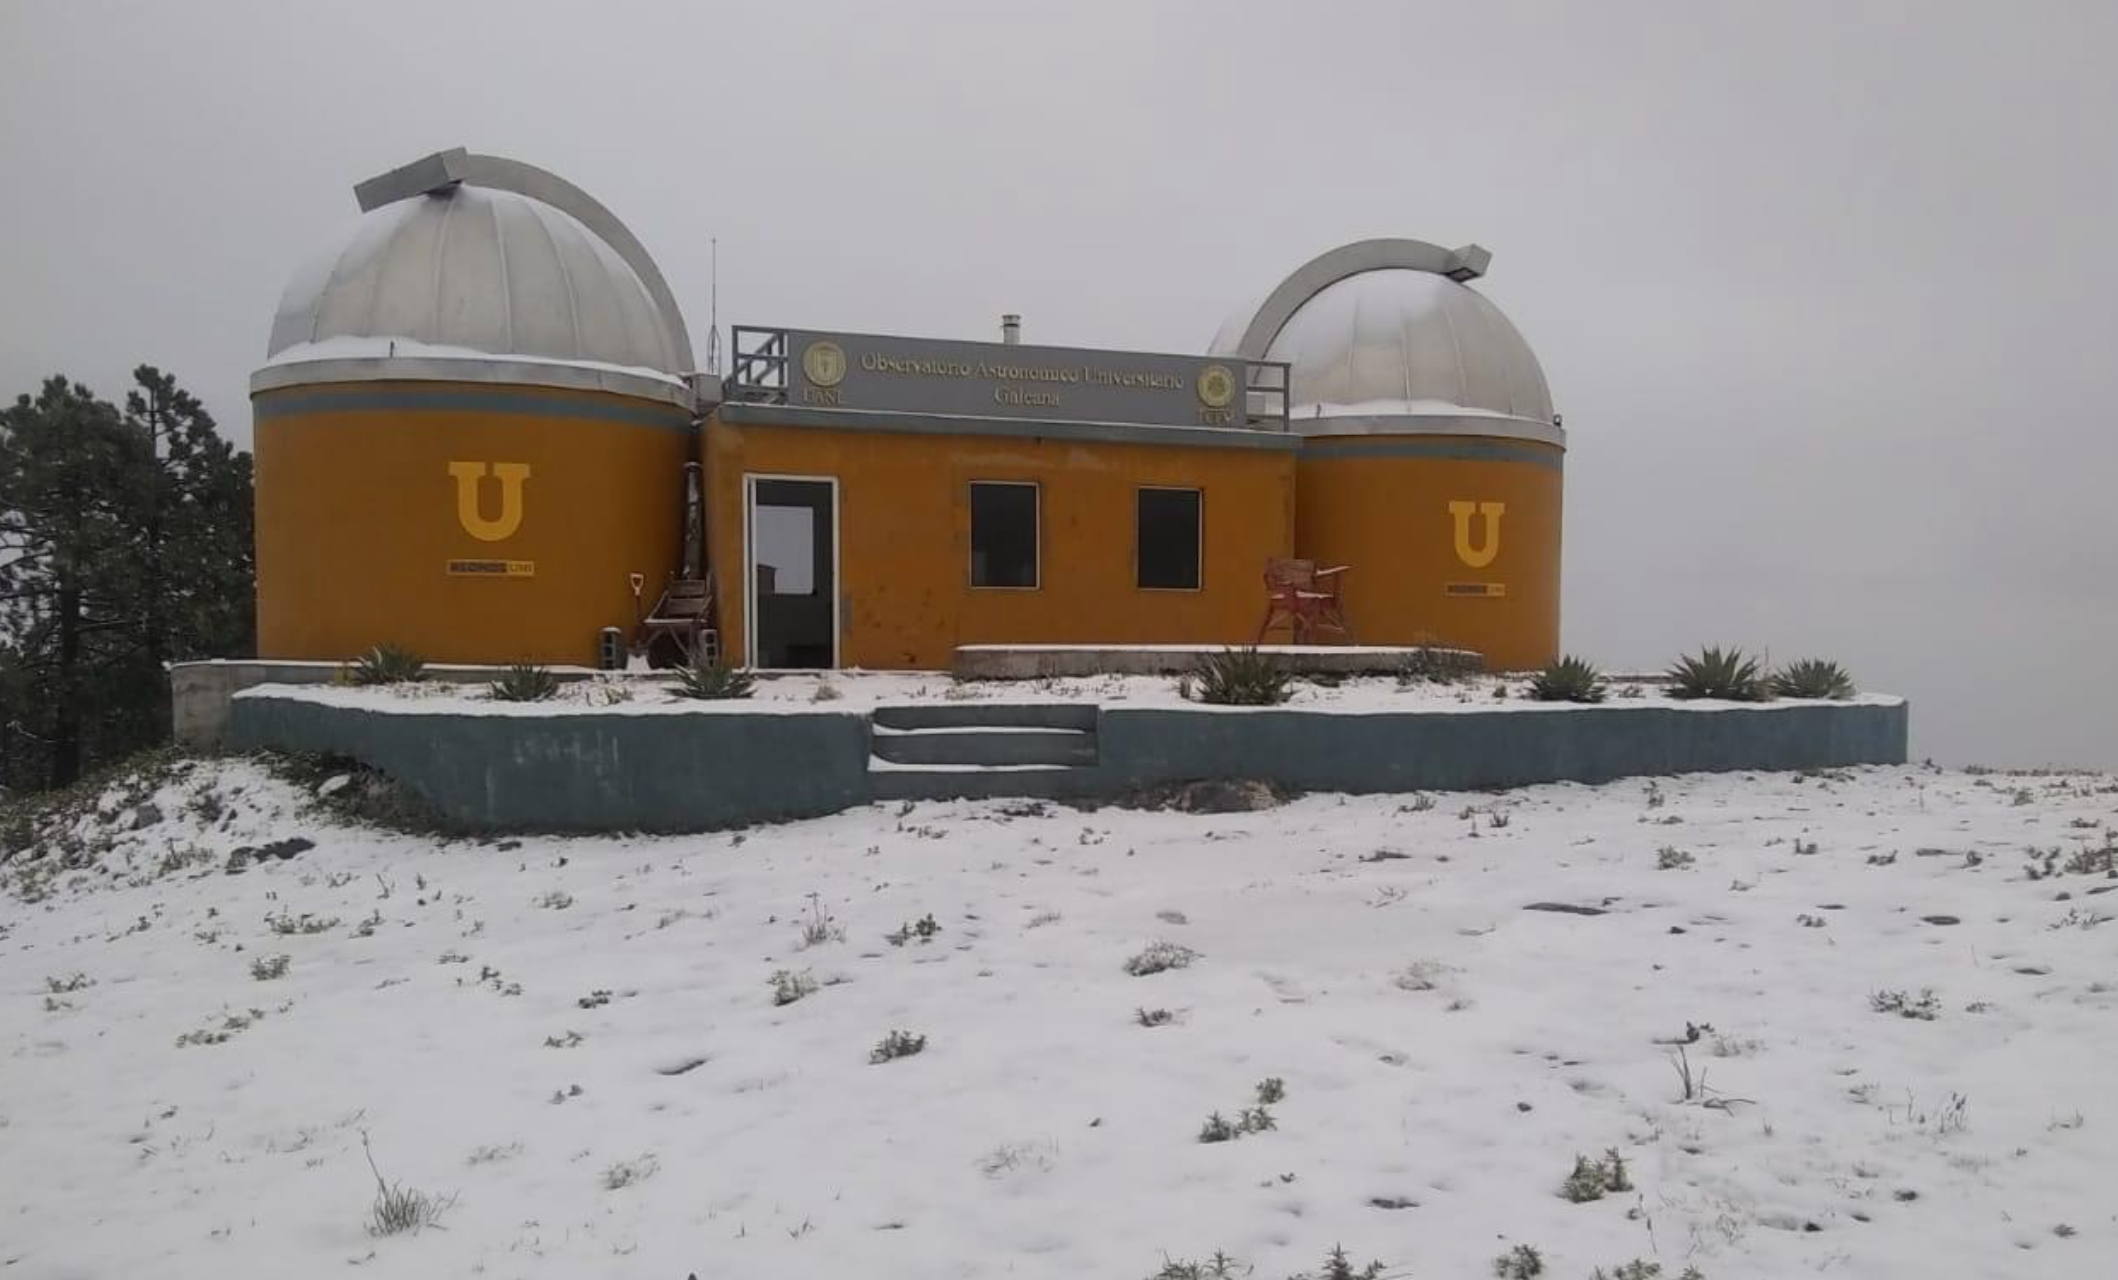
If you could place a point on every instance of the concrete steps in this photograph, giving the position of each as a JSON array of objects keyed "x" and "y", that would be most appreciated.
[{"x": 976, "y": 750}]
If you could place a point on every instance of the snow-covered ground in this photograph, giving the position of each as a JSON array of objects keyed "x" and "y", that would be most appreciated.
[
  {"x": 862, "y": 691},
  {"x": 577, "y": 1040}
]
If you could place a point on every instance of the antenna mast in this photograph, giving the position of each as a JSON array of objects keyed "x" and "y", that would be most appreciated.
[{"x": 713, "y": 322}]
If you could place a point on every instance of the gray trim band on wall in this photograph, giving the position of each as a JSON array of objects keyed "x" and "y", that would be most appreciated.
[
  {"x": 1322, "y": 448},
  {"x": 762, "y": 415},
  {"x": 267, "y": 406}
]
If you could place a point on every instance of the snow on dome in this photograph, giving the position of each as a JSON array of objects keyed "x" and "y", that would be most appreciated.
[
  {"x": 1382, "y": 331},
  {"x": 485, "y": 271}
]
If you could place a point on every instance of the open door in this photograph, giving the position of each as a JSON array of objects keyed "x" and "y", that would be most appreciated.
[{"x": 791, "y": 571}]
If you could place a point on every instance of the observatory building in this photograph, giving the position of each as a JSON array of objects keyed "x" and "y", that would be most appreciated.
[{"x": 482, "y": 434}]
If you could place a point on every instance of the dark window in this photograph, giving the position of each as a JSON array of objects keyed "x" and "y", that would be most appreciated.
[
  {"x": 1169, "y": 539},
  {"x": 1003, "y": 535}
]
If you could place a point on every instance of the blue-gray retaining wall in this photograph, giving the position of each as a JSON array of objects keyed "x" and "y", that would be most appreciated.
[
  {"x": 1462, "y": 751},
  {"x": 694, "y": 771},
  {"x": 584, "y": 771}
]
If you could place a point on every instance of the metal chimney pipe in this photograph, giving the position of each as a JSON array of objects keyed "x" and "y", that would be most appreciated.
[{"x": 1011, "y": 329}]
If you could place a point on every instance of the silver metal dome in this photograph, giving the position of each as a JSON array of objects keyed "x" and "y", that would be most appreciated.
[
  {"x": 1383, "y": 337},
  {"x": 480, "y": 269}
]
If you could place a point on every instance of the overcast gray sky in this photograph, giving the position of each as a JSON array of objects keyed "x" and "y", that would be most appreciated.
[{"x": 1824, "y": 290}]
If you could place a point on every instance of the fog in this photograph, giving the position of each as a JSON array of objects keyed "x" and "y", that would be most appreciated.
[{"x": 1824, "y": 291}]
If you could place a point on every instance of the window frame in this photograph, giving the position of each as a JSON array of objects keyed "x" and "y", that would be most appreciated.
[
  {"x": 1198, "y": 546},
  {"x": 970, "y": 540}
]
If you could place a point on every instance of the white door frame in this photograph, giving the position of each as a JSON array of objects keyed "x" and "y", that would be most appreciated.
[{"x": 838, "y": 567}]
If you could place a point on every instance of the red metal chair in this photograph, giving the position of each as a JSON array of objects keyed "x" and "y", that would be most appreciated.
[{"x": 1305, "y": 600}]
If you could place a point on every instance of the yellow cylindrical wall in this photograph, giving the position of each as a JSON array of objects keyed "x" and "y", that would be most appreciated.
[
  {"x": 468, "y": 522},
  {"x": 1452, "y": 540},
  {"x": 904, "y": 577}
]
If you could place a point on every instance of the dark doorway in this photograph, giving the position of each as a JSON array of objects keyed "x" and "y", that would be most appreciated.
[{"x": 793, "y": 541}]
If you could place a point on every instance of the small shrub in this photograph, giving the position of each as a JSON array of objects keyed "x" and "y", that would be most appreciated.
[
  {"x": 626, "y": 1173},
  {"x": 820, "y": 928},
  {"x": 386, "y": 664},
  {"x": 397, "y": 1208},
  {"x": 1238, "y": 678},
  {"x": 712, "y": 682},
  {"x": 1718, "y": 673},
  {"x": 1670, "y": 858},
  {"x": 1641, "y": 1269},
  {"x": 789, "y": 986},
  {"x": 1519, "y": 1263},
  {"x": 922, "y": 930},
  {"x": 1811, "y": 678},
  {"x": 898, "y": 1044},
  {"x": 285, "y": 925},
  {"x": 1924, "y": 1007},
  {"x": 1270, "y": 1090},
  {"x": 1219, "y": 1128},
  {"x": 1153, "y": 1017},
  {"x": 231, "y": 1025},
  {"x": 1338, "y": 1267},
  {"x": 265, "y": 970},
  {"x": 524, "y": 683},
  {"x": 1218, "y": 1267},
  {"x": 1160, "y": 957},
  {"x": 1569, "y": 679},
  {"x": 65, "y": 986},
  {"x": 1429, "y": 665},
  {"x": 1593, "y": 1179}
]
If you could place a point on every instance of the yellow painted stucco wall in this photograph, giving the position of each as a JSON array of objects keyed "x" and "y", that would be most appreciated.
[
  {"x": 904, "y": 577},
  {"x": 1418, "y": 516},
  {"x": 367, "y": 492}
]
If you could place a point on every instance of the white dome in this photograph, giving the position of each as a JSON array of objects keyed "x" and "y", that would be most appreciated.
[
  {"x": 1410, "y": 342},
  {"x": 475, "y": 271},
  {"x": 1383, "y": 336}
]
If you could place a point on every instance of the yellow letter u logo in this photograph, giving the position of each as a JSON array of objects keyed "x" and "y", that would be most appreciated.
[
  {"x": 1480, "y": 556},
  {"x": 511, "y": 475}
]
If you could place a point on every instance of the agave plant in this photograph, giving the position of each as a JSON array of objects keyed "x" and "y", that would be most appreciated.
[
  {"x": 1718, "y": 673},
  {"x": 713, "y": 681},
  {"x": 1238, "y": 678},
  {"x": 386, "y": 664},
  {"x": 524, "y": 683},
  {"x": 1812, "y": 678},
  {"x": 1568, "y": 679}
]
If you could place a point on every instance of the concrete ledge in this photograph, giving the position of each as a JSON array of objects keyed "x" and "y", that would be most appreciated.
[
  {"x": 1048, "y": 661},
  {"x": 199, "y": 692},
  {"x": 726, "y": 765}
]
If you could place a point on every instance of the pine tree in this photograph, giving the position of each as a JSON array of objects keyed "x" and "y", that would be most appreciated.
[
  {"x": 195, "y": 531},
  {"x": 125, "y": 543},
  {"x": 71, "y": 481}
]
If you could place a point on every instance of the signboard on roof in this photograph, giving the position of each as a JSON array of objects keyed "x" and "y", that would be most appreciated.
[{"x": 877, "y": 373}]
